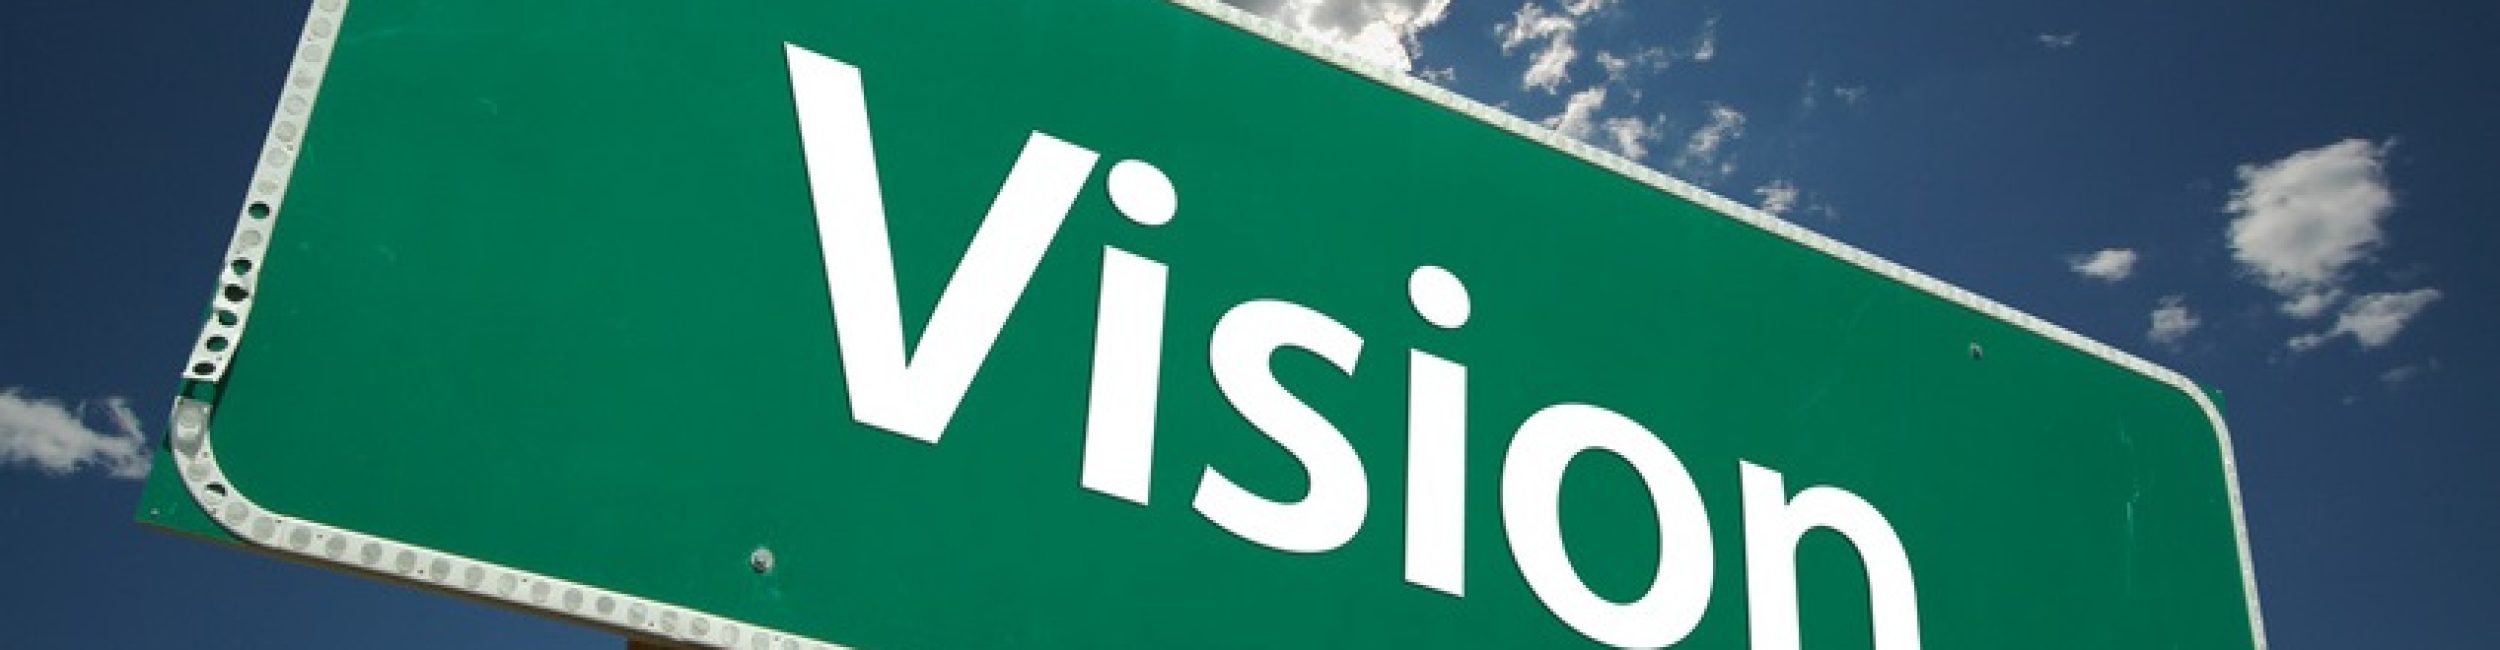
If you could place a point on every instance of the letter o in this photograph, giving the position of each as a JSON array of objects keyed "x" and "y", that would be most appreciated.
[{"x": 1532, "y": 472}]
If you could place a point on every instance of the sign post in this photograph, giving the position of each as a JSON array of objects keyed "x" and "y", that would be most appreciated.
[{"x": 1125, "y": 324}]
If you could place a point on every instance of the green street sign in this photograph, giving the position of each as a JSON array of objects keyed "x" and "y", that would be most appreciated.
[{"x": 1125, "y": 324}]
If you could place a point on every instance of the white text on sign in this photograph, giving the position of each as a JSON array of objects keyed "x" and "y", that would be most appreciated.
[{"x": 915, "y": 395}]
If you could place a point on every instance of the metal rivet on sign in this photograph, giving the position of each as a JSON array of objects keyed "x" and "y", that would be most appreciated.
[{"x": 761, "y": 560}]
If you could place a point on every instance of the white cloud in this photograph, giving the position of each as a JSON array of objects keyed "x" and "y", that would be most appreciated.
[
  {"x": 1631, "y": 136},
  {"x": 1549, "y": 36},
  {"x": 2107, "y": 265},
  {"x": 2373, "y": 320},
  {"x": 1620, "y": 68},
  {"x": 1778, "y": 196},
  {"x": 1702, "y": 150},
  {"x": 1585, "y": 7},
  {"x": 1384, "y": 32},
  {"x": 2172, "y": 321},
  {"x": 1706, "y": 43},
  {"x": 2408, "y": 372},
  {"x": 2059, "y": 41},
  {"x": 2304, "y": 222},
  {"x": 1550, "y": 66},
  {"x": 1578, "y": 118},
  {"x": 1616, "y": 67},
  {"x": 2304, "y": 219},
  {"x": 1811, "y": 98},
  {"x": 1532, "y": 22},
  {"x": 2309, "y": 305},
  {"x": 1442, "y": 76},
  {"x": 55, "y": 438}
]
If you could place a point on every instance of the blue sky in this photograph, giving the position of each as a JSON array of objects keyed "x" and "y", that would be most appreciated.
[{"x": 2277, "y": 199}]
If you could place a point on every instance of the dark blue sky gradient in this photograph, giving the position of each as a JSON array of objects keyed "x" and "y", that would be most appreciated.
[
  {"x": 128, "y": 136},
  {"x": 127, "y": 131}
]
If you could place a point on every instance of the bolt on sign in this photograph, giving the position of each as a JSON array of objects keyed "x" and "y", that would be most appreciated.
[{"x": 1125, "y": 324}]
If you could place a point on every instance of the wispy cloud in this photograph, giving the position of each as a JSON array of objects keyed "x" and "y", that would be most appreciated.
[
  {"x": 1601, "y": 110},
  {"x": 1702, "y": 154},
  {"x": 2373, "y": 320},
  {"x": 1778, "y": 196},
  {"x": 1584, "y": 7},
  {"x": 1632, "y": 136},
  {"x": 1810, "y": 98},
  {"x": 1578, "y": 118},
  {"x": 2172, "y": 321},
  {"x": 1706, "y": 43},
  {"x": 2106, "y": 265},
  {"x": 1551, "y": 32},
  {"x": 56, "y": 438},
  {"x": 2059, "y": 41},
  {"x": 2309, "y": 305},
  {"x": 1620, "y": 68},
  {"x": 2405, "y": 374},
  {"x": 1552, "y": 35}
]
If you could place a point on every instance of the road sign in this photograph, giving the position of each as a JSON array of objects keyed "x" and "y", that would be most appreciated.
[{"x": 1114, "y": 324}]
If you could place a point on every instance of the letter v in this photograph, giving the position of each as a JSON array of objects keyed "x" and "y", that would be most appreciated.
[{"x": 917, "y": 397}]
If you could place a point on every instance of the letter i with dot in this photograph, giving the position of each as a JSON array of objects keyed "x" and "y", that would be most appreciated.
[
  {"x": 1128, "y": 343},
  {"x": 1436, "y": 441}
]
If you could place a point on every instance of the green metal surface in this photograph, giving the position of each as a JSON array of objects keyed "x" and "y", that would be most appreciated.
[{"x": 548, "y": 294}]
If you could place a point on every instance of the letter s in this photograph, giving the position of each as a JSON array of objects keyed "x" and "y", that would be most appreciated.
[{"x": 1238, "y": 352}]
